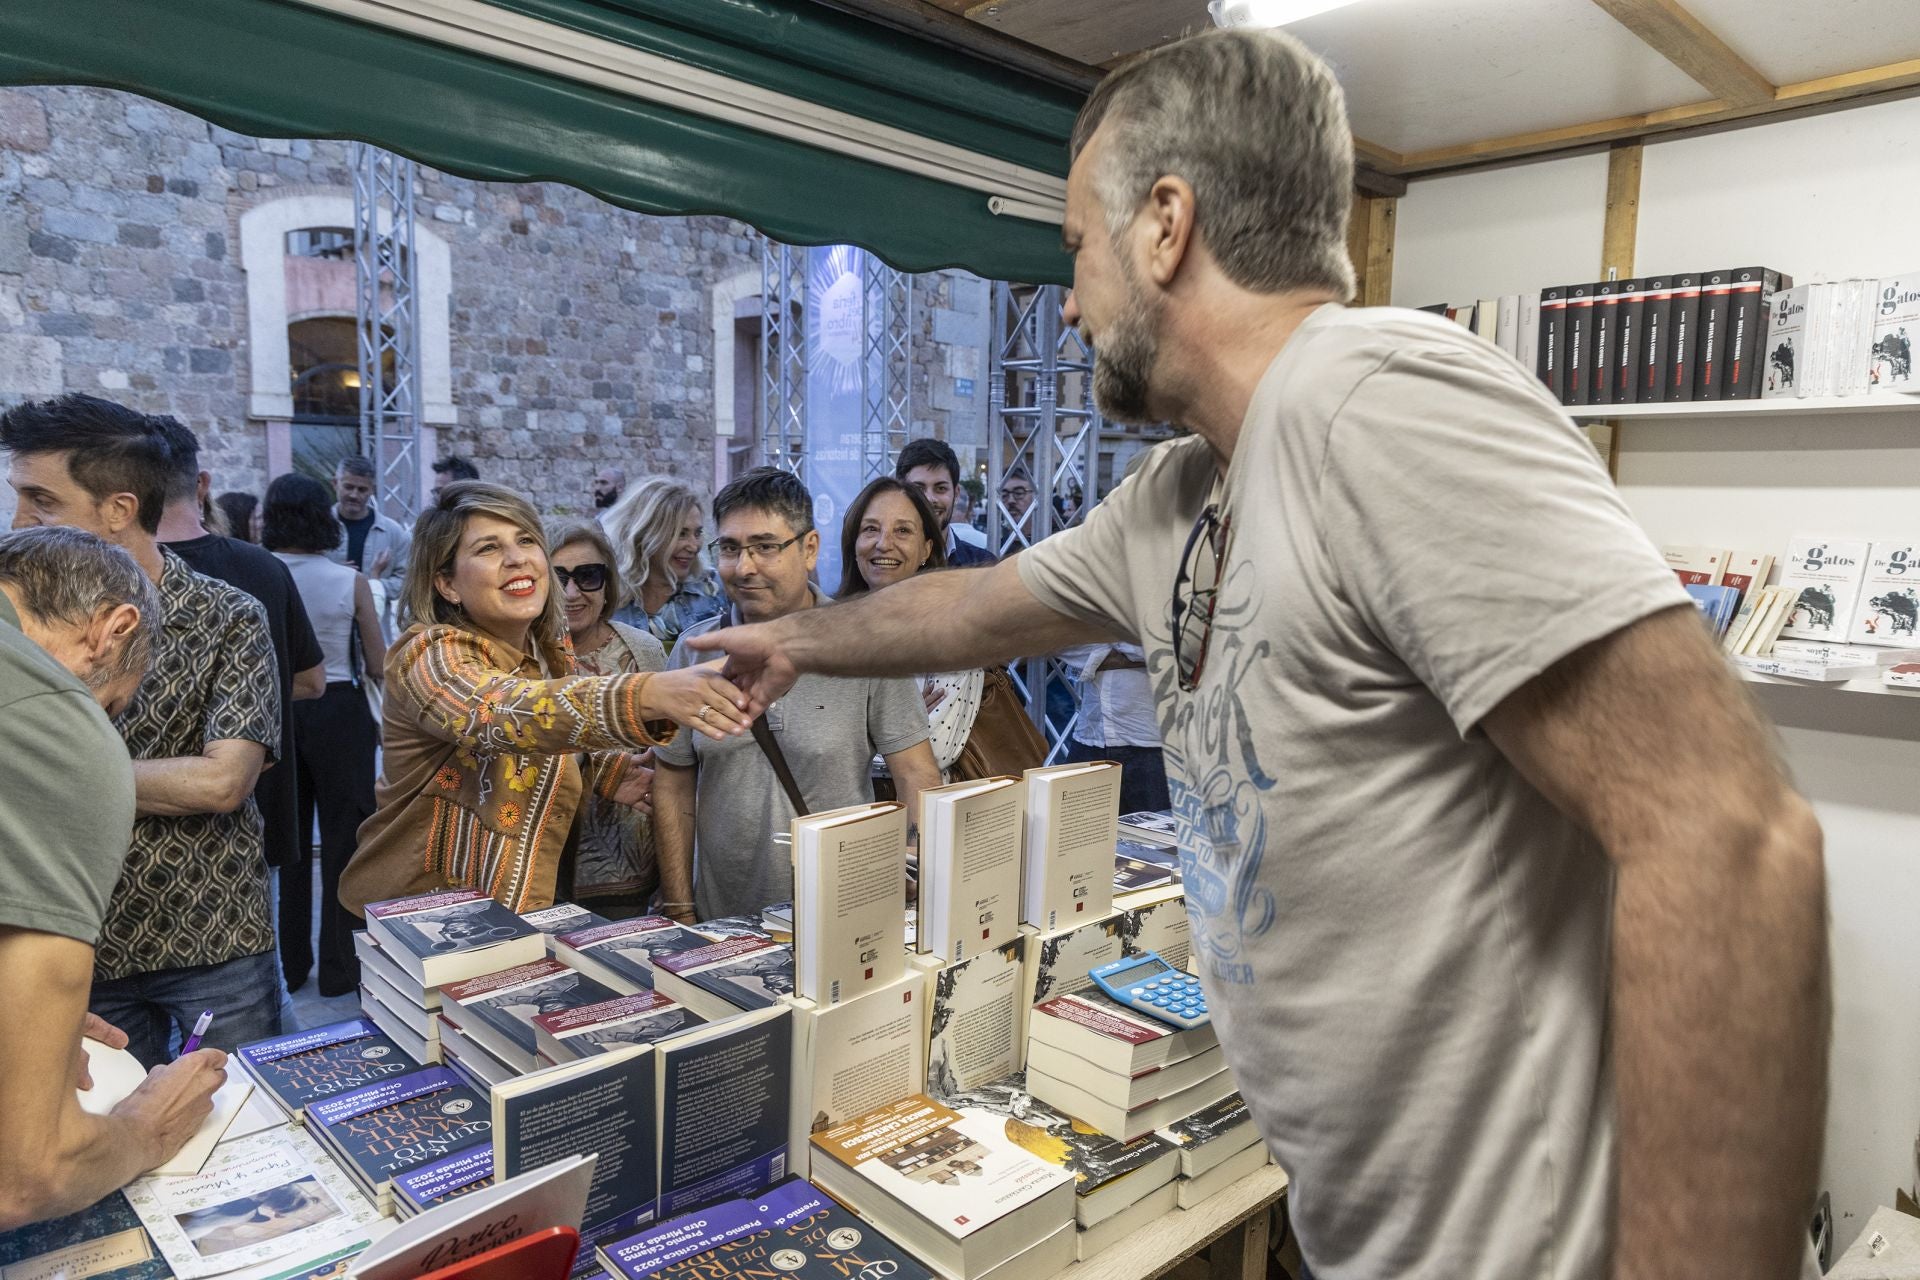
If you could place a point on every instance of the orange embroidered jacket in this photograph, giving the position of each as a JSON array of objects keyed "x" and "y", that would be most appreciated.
[{"x": 483, "y": 768}]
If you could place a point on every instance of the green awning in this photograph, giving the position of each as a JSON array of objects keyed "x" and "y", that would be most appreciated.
[{"x": 586, "y": 92}]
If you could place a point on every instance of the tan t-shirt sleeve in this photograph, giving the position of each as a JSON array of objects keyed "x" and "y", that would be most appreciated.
[{"x": 1474, "y": 529}]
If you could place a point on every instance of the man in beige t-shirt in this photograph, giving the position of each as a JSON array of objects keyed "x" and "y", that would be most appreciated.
[{"x": 1512, "y": 926}]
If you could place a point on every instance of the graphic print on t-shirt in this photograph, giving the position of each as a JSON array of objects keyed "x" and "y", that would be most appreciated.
[{"x": 1215, "y": 778}]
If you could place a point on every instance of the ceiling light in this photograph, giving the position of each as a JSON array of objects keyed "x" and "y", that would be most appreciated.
[{"x": 1268, "y": 13}]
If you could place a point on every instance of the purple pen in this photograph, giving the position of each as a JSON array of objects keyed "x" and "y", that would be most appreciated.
[{"x": 199, "y": 1029}]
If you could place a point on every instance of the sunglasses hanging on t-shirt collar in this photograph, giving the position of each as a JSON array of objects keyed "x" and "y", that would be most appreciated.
[{"x": 1196, "y": 590}]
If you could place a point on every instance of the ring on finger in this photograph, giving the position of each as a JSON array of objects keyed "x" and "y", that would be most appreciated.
[{"x": 704, "y": 713}]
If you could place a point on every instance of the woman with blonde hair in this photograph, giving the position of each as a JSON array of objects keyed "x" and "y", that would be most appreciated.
[
  {"x": 487, "y": 728},
  {"x": 615, "y": 867},
  {"x": 657, "y": 529}
]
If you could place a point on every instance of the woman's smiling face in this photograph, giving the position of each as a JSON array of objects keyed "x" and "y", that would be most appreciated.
[
  {"x": 500, "y": 577},
  {"x": 891, "y": 544}
]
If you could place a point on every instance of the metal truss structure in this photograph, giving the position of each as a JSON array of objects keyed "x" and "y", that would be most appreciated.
[
  {"x": 783, "y": 357},
  {"x": 387, "y": 319},
  {"x": 887, "y": 370},
  {"x": 1044, "y": 426}
]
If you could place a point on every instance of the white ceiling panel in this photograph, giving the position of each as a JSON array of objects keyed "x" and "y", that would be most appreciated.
[
  {"x": 1423, "y": 74},
  {"x": 1788, "y": 41}
]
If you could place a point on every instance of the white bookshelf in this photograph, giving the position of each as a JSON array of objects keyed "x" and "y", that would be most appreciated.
[
  {"x": 1879, "y": 406},
  {"x": 1869, "y": 682}
]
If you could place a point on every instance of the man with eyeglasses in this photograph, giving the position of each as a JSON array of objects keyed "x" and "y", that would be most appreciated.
[
  {"x": 1512, "y": 924},
  {"x": 718, "y": 807}
]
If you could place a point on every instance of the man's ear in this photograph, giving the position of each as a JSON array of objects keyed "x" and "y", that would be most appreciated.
[
  {"x": 109, "y": 629},
  {"x": 810, "y": 545},
  {"x": 1167, "y": 227},
  {"x": 203, "y": 488},
  {"x": 120, "y": 512}
]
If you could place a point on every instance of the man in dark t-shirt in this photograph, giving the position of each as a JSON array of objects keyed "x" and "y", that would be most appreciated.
[{"x": 300, "y": 670}]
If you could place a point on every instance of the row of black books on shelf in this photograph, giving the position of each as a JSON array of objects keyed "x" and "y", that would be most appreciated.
[{"x": 1840, "y": 607}]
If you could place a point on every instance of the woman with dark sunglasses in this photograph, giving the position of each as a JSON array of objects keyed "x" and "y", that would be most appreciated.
[{"x": 616, "y": 870}]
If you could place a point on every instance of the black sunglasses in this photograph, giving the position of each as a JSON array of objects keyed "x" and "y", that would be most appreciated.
[
  {"x": 1195, "y": 591},
  {"x": 587, "y": 577}
]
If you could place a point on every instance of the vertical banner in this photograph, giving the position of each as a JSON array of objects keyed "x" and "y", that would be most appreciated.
[{"x": 835, "y": 328}]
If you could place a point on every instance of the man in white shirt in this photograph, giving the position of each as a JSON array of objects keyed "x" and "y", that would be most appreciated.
[{"x": 1512, "y": 924}]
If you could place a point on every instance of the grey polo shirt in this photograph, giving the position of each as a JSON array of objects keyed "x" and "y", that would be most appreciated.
[
  {"x": 66, "y": 794},
  {"x": 830, "y": 728}
]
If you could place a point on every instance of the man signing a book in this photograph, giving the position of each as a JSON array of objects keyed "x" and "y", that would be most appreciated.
[{"x": 1513, "y": 926}]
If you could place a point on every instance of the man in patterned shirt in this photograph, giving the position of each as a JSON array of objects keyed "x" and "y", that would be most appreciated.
[{"x": 189, "y": 928}]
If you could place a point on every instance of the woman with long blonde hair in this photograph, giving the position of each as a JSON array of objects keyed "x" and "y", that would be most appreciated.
[
  {"x": 657, "y": 529},
  {"x": 490, "y": 738}
]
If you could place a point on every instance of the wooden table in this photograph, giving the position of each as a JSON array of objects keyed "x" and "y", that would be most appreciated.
[{"x": 1233, "y": 1221}]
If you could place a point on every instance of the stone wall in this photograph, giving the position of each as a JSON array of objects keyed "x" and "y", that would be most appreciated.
[{"x": 580, "y": 334}]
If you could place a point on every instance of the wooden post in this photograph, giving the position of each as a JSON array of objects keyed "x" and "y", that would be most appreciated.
[
  {"x": 1370, "y": 246},
  {"x": 1617, "y": 239},
  {"x": 1241, "y": 1254}
]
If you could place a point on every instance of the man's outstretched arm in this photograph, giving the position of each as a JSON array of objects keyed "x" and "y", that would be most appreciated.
[
  {"x": 949, "y": 621},
  {"x": 1719, "y": 985}
]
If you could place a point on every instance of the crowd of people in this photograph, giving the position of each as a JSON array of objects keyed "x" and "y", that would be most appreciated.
[{"x": 478, "y": 698}]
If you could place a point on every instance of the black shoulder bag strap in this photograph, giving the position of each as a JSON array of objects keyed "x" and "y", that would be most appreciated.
[{"x": 770, "y": 746}]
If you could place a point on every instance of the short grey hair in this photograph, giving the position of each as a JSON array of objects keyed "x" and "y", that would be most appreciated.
[
  {"x": 67, "y": 576},
  {"x": 1257, "y": 125},
  {"x": 357, "y": 464}
]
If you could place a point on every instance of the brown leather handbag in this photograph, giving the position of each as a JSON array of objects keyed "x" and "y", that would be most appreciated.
[{"x": 1004, "y": 739}]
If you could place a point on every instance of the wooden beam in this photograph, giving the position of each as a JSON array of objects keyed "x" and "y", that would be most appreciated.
[
  {"x": 1370, "y": 247},
  {"x": 1896, "y": 79},
  {"x": 1685, "y": 41},
  {"x": 942, "y": 22},
  {"x": 1623, "y": 212},
  {"x": 1375, "y": 156},
  {"x": 1372, "y": 182},
  {"x": 1092, "y": 31}
]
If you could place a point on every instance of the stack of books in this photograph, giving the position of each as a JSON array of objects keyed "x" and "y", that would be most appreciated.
[
  {"x": 645, "y": 1018},
  {"x": 414, "y": 946},
  {"x": 309, "y": 1066},
  {"x": 622, "y": 955},
  {"x": 851, "y": 1057},
  {"x": 487, "y": 1022},
  {"x": 720, "y": 979},
  {"x": 431, "y": 1185},
  {"x": 1510, "y": 322},
  {"x": 953, "y": 1186},
  {"x": 1218, "y": 1146},
  {"x": 402, "y": 1123},
  {"x": 1121, "y": 1072},
  {"x": 1843, "y": 338},
  {"x": 794, "y": 1229}
]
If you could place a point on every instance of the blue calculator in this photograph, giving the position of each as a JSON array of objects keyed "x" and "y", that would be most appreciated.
[{"x": 1149, "y": 984}]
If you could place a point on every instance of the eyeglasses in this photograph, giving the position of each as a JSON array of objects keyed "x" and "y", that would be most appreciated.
[
  {"x": 1019, "y": 491},
  {"x": 587, "y": 577},
  {"x": 1195, "y": 592},
  {"x": 727, "y": 551}
]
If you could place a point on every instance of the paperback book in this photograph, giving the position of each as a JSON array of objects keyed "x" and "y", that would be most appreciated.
[
  {"x": 1109, "y": 1176},
  {"x": 432, "y": 1185},
  {"x": 293, "y": 1070},
  {"x": 437, "y": 938},
  {"x": 623, "y": 954},
  {"x": 462, "y": 1227},
  {"x": 1889, "y": 596},
  {"x": 854, "y": 1056},
  {"x": 1211, "y": 1134},
  {"x": 971, "y": 837},
  {"x": 399, "y": 1124},
  {"x": 376, "y": 962},
  {"x": 1072, "y": 825},
  {"x": 793, "y": 1229},
  {"x": 1824, "y": 576},
  {"x": 1059, "y": 962},
  {"x": 849, "y": 902},
  {"x": 604, "y": 1105},
  {"x": 498, "y": 1010},
  {"x": 643, "y": 1019},
  {"x": 952, "y": 1186},
  {"x": 104, "y": 1240},
  {"x": 749, "y": 971},
  {"x": 723, "y": 1109},
  {"x": 271, "y": 1198},
  {"x": 563, "y": 917},
  {"x": 1896, "y": 322},
  {"x": 1094, "y": 1027},
  {"x": 1153, "y": 826},
  {"x": 977, "y": 1027}
]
